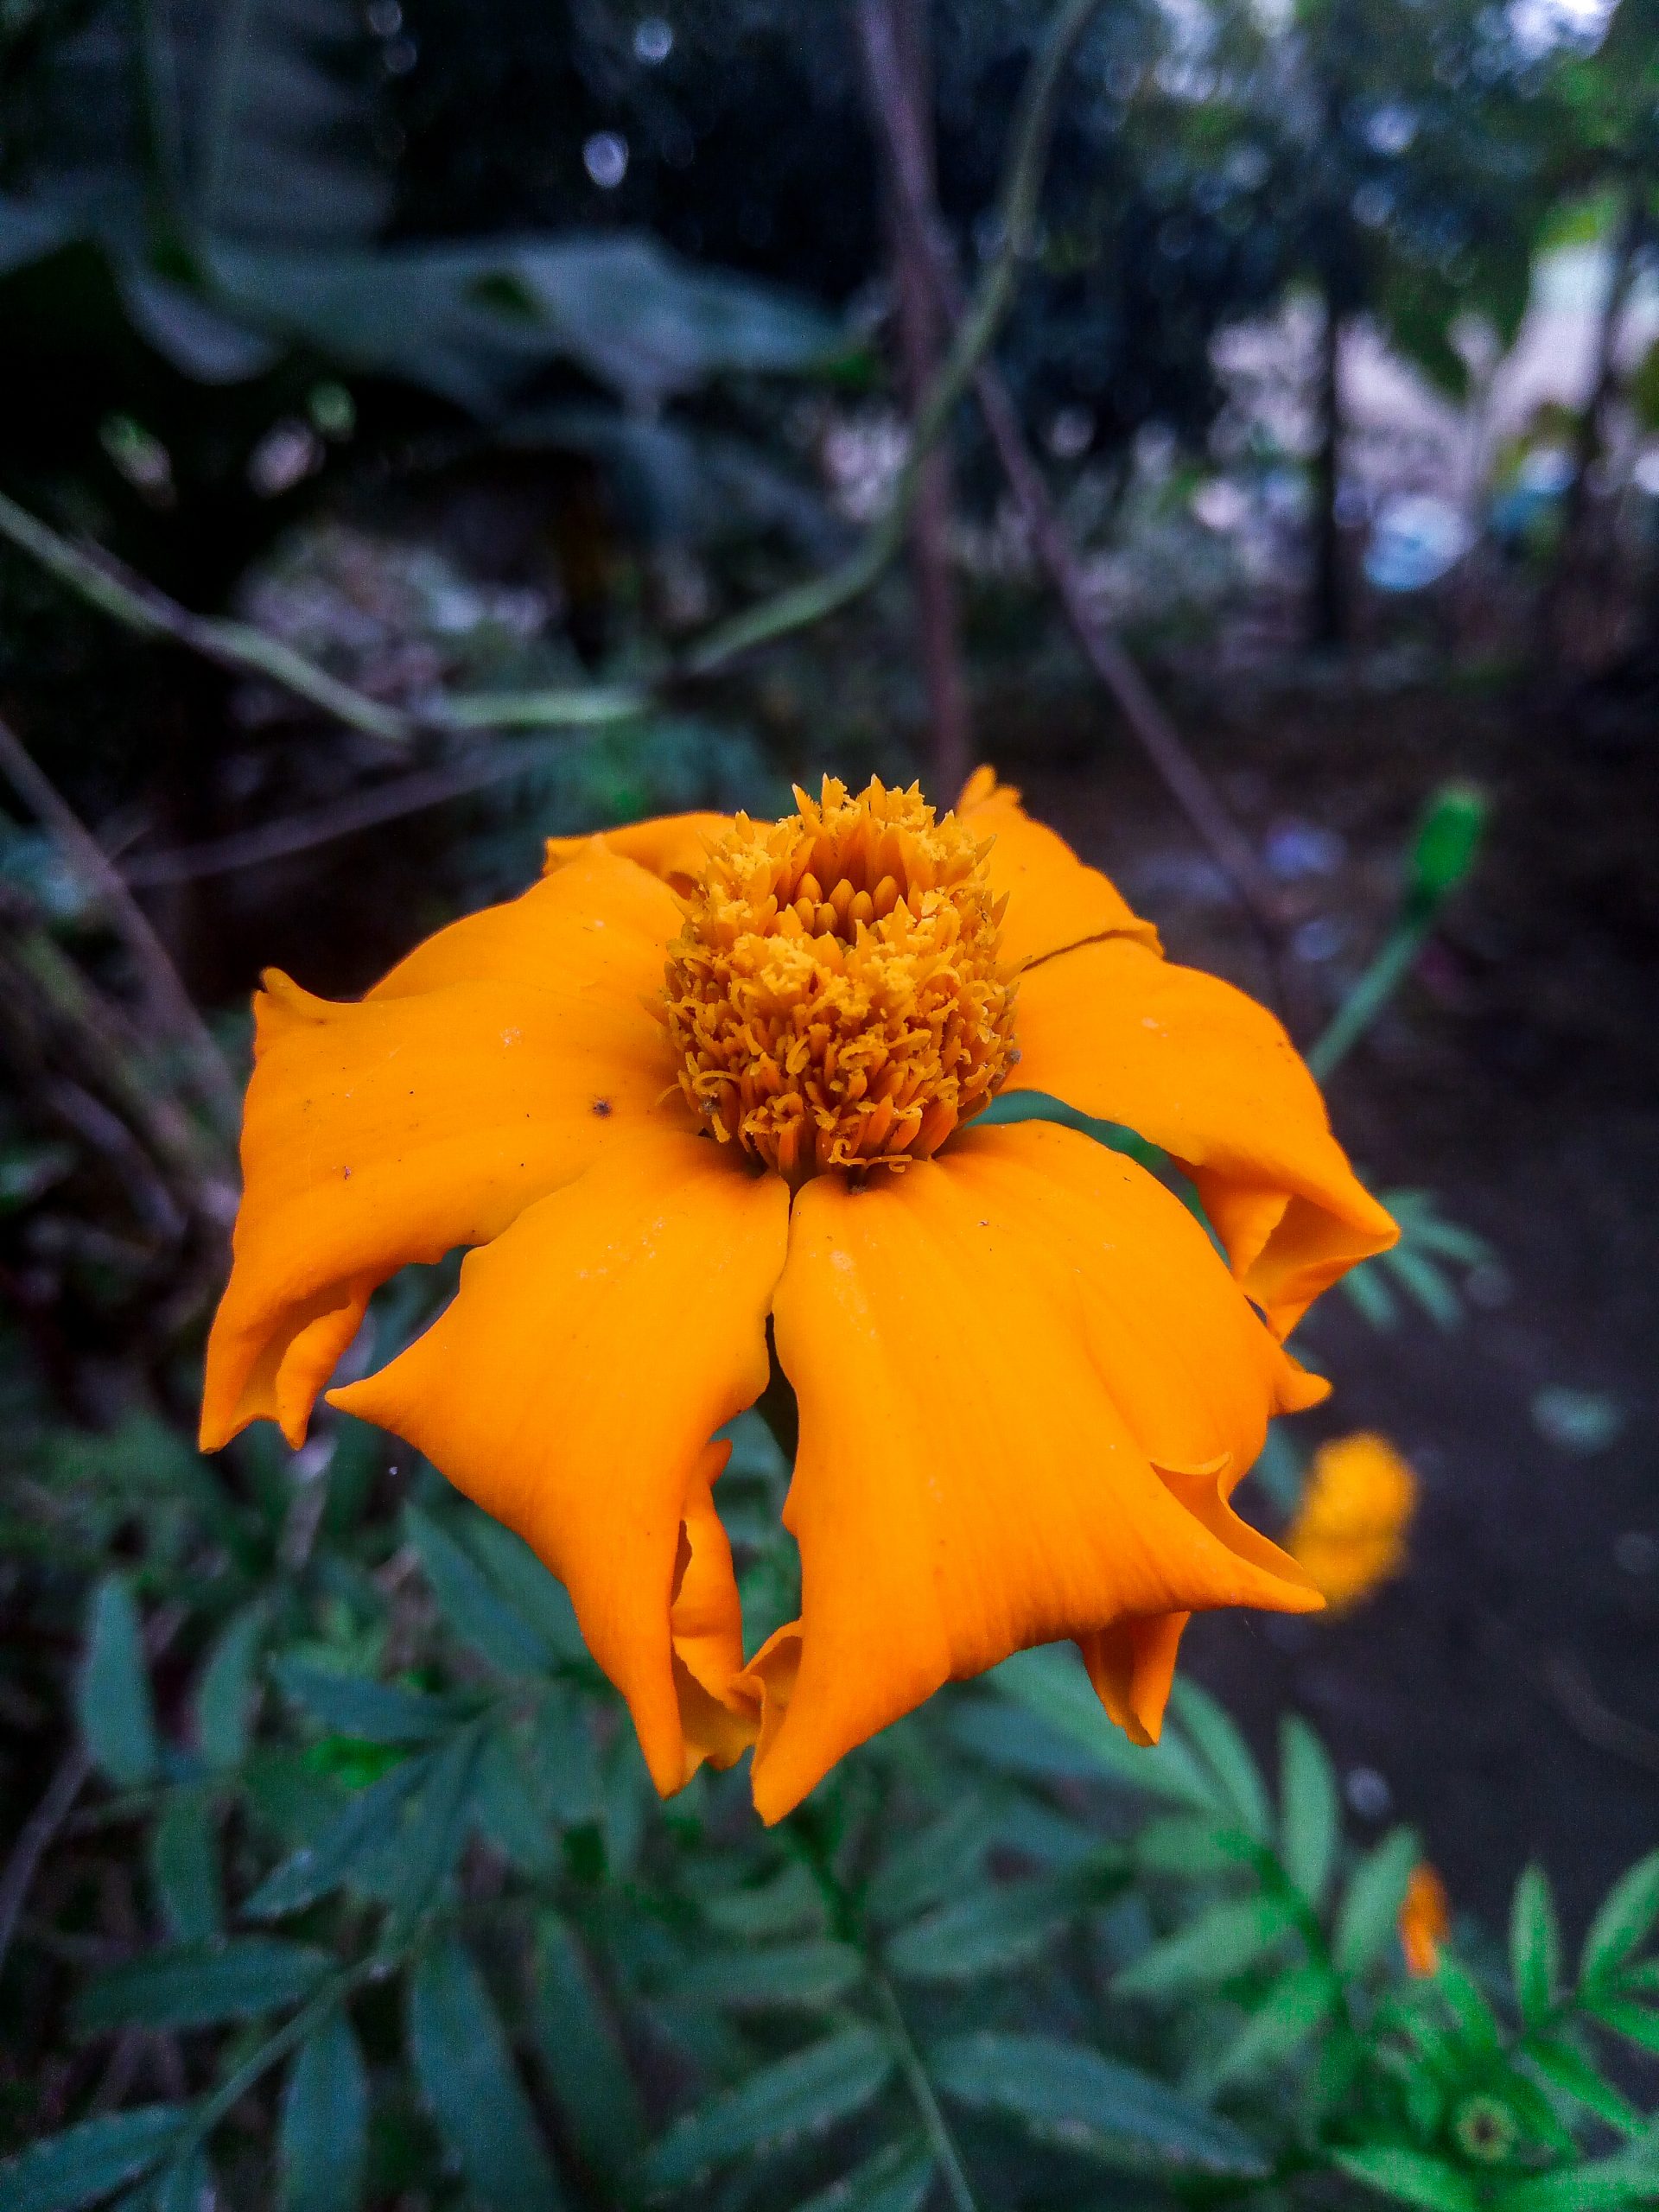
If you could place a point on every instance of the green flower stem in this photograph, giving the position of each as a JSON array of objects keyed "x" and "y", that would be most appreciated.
[
  {"x": 1372, "y": 993},
  {"x": 912, "y": 2066}
]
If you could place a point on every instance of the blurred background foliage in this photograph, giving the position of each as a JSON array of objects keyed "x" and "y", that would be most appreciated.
[{"x": 477, "y": 362}]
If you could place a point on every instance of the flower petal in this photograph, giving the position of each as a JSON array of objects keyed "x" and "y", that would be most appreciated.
[
  {"x": 1195, "y": 1067},
  {"x": 572, "y": 1389},
  {"x": 673, "y": 846},
  {"x": 427, "y": 1116},
  {"x": 989, "y": 1351},
  {"x": 1054, "y": 900}
]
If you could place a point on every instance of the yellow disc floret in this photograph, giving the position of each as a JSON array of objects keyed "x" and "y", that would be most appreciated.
[{"x": 835, "y": 995}]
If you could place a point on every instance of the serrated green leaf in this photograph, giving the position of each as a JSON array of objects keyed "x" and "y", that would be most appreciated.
[
  {"x": 1624, "y": 1922},
  {"x": 786, "y": 1904},
  {"x": 581, "y": 2050},
  {"x": 1227, "y": 1755},
  {"x": 896, "y": 2179},
  {"x": 340, "y": 1849},
  {"x": 113, "y": 1700},
  {"x": 1370, "y": 1912},
  {"x": 505, "y": 1808},
  {"x": 1409, "y": 2177},
  {"x": 1069, "y": 2095},
  {"x": 533, "y": 1591},
  {"x": 1277, "y": 2024},
  {"x": 1369, "y": 1292},
  {"x": 464, "y": 2066},
  {"x": 475, "y": 1610},
  {"x": 1572, "y": 2073},
  {"x": 802, "y": 2095},
  {"x": 227, "y": 1689},
  {"x": 431, "y": 1841},
  {"x": 993, "y": 1932},
  {"x": 564, "y": 1760},
  {"x": 1219, "y": 1943},
  {"x": 916, "y": 1871},
  {"x": 1052, "y": 1684},
  {"x": 378, "y": 1713},
  {"x": 90, "y": 2161},
  {"x": 201, "y": 1988},
  {"x": 1535, "y": 1946},
  {"x": 1310, "y": 1823},
  {"x": 184, "y": 1867},
  {"x": 1426, "y": 1284},
  {"x": 323, "y": 2143},
  {"x": 789, "y": 1977}
]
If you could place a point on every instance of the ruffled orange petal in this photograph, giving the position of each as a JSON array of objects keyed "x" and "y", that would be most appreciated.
[
  {"x": 1054, "y": 900},
  {"x": 1194, "y": 1066},
  {"x": 988, "y": 1352},
  {"x": 572, "y": 1389},
  {"x": 674, "y": 846},
  {"x": 428, "y": 1116},
  {"x": 1132, "y": 1666}
]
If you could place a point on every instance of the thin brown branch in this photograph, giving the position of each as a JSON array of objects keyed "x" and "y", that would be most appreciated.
[
  {"x": 34, "y": 1840},
  {"x": 1156, "y": 733}
]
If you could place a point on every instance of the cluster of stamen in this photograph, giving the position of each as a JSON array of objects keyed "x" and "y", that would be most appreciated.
[{"x": 835, "y": 996}]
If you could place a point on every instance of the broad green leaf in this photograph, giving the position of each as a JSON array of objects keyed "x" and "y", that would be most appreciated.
[
  {"x": 1369, "y": 1912},
  {"x": 533, "y": 1591},
  {"x": 464, "y": 2066},
  {"x": 431, "y": 1841},
  {"x": 1277, "y": 2026},
  {"x": 802, "y": 2095},
  {"x": 1226, "y": 1754},
  {"x": 117, "y": 1716},
  {"x": 1624, "y": 1922},
  {"x": 1309, "y": 1825},
  {"x": 1535, "y": 1946},
  {"x": 226, "y": 1691},
  {"x": 1409, "y": 2177},
  {"x": 323, "y": 2143},
  {"x": 84, "y": 2164},
  {"x": 1052, "y": 1684},
  {"x": 1067, "y": 2095},
  {"x": 1219, "y": 1944},
  {"x": 895, "y": 2180},
  {"x": 478, "y": 1613},
  {"x": 1601, "y": 2185},
  {"x": 991, "y": 1932},
  {"x": 790, "y": 1977},
  {"x": 201, "y": 1988},
  {"x": 186, "y": 2186},
  {"x": 1572, "y": 2073},
  {"x": 184, "y": 1867},
  {"x": 370, "y": 1820},
  {"x": 581, "y": 2054},
  {"x": 378, "y": 1713},
  {"x": 1196, "y": 1850}
]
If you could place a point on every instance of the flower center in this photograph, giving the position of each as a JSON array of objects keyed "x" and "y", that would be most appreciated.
[{"x": 834, "y": 996}]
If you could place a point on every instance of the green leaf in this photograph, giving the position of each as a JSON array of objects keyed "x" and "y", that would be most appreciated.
[
  {"x": 118, "y": 1717},
  {"x": 323, "y": 2143},
  {"x": 1624, "y": 1922},
  {"x": 1535, "y": 1946},
  {"x": 184, "y": 1866},
  {"x": 1409, "y": 2177},
  {"x": 584, "y": 2060},
  {"x": 66, "y": 2171},
  {"x": 1572, "y": 2073},
  {"x": 1226, "y": 1754},
  {"x": 1190, "y": 1849},
  {"x": 993, "y": 1932},
  {"x": 790, "y": 1977},
  {"x": 432, "y": 1841},
  {"x": 1477, "y": 2022},
  {"x": 370, "y": 1820},
  {"x": 786, "y": 1904},
  {"x": 1636, "y": 2022},
  {"x": 1600, "y": 2185},
  {"x": 1219, "y": 1943},
  {"x": 1309, "y": 1814},
  {"x": 464, "y": 2066},
  {"x": 535, "y": 1593},
  {"x": 375, "y": 1711},
  {"x": 507, "y": 1812},
  {"x": 477, "y": 1614},
  {"x": 225, "y": 1692},
  {"x": 186, "y": 2186},
  {"x": 1277, "y": 2026},
  {"x": 802, "y": 2095},
  {"x": 201, "y": 1988},
  {"x": 1052, "y": 1684},
  {"x": 896, "y": 2179},
  {"x": 1370, "y": 1908},
  {"x": 1069, "y": 2095},
  {"x": 938, "y": 1861}
]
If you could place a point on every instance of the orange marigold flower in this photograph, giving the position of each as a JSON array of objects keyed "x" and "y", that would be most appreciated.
[
  {"x": 709, "y": 1073},
  {"x": 1425, "y": 1921},
  {"x": 1349, "y": 1534}
]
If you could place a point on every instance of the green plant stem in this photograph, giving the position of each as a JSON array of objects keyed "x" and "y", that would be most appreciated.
[
  {"x": 1372, "y": 993},
  {"x": 914, "y": 2069},
  {"x": 805, "y": 604}
]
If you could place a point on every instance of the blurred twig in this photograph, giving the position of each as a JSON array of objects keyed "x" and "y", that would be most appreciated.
[
  {"x": 1159, "y": 738},
  {"x": 171, "y": 1003},
  {"x": 35, "y": 1837}
]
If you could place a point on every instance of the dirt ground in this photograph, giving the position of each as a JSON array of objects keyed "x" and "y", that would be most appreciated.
[{"x": 1504, "y": 1694}]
